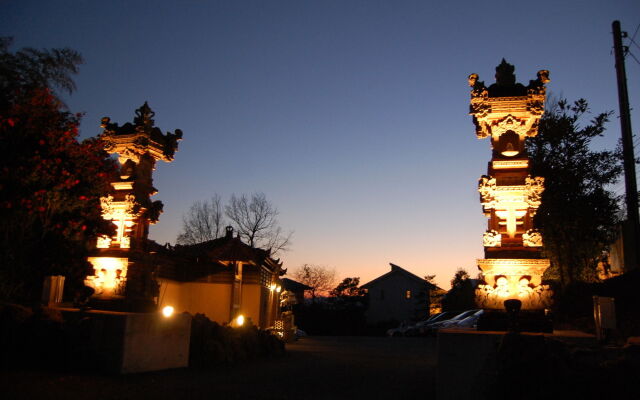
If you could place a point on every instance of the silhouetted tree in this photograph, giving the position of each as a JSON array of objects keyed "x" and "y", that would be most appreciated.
[
  {"x": 461, "y": 296},
  {"x": 255, "y": 219},
  {"x": 203, "y": 222},
  {"x": 50, "y": 184},
  {"x": 459, "y": 278},
  {"x": 578, "y": 215},
  {"x": 320, "y": 279},
  {"x": 349, "y": 287}
]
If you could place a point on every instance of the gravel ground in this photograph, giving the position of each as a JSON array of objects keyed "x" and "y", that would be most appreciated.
[{"x": 313, "y": 368}]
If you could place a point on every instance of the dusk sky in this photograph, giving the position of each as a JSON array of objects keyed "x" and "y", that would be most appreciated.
[{"x": 351, "y": 116}]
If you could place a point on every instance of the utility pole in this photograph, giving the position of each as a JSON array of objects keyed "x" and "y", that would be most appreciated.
[{"x": 632, "y": 228}]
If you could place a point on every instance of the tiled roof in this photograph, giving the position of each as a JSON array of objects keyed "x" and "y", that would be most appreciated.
[
  {"x": 189, "y": 262},
  {"x": 294, "y": 286}
]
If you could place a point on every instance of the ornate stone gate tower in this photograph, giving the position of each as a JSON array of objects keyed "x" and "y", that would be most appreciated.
[
  {"x": 508, "y": 113},
  {"x": 121, "y": 265}
]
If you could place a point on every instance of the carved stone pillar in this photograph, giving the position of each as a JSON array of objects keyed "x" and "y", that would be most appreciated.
[
  {"x": 509, "y": 113},
  {"x": 121, "y": 261}
]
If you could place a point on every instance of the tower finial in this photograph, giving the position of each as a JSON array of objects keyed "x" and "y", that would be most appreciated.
[
  {"x": 144, "y": 116},
  {"x": 505, "y": 74}
]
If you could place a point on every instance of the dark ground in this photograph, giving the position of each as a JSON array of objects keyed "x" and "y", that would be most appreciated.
[{"x": 313, "y": 368}]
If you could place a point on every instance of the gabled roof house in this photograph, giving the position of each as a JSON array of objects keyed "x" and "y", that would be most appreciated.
[{"x": 398, "y": 295}]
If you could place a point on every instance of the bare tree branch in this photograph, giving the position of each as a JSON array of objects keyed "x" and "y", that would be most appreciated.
[
  {"x": 203, "y": 222},
  {"x": 256, "y": 221},
  {"x": 321, "y": 279}
]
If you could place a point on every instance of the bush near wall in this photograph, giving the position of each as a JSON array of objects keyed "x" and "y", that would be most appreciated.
[{"x": 213, "y": 344}]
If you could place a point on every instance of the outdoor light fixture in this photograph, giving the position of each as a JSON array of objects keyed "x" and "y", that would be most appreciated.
[
  {"x": 278, "y": 289},
  {"x": 167, "y": 311},
  {"x": 272, "y": 287},
  {"x": 240, "y": 320}
]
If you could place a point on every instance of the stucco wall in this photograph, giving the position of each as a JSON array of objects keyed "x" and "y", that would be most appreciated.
[
  {"x": 210, "y": 299},
  {"x": 250, "y": 306}
]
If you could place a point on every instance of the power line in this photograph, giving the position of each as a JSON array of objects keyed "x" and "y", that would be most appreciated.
[
  {"x": 634, "y": 33},
  {"x": 634, "y": 57}
]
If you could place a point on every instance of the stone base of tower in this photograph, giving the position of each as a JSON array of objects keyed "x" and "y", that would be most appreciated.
[{"x": 516, "y": 278}]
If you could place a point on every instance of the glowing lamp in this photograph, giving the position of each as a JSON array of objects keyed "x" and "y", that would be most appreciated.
[
  {"x": 272, "y": 287},
  {"x": 278, "y": 289},
  {"x": 167, "y": 311},
  {"x": 240, "y": 320}
]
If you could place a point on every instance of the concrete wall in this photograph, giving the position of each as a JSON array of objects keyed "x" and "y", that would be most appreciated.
[
  {"x": 153, "y": 342},
  {"x": 135, "y": 342}
]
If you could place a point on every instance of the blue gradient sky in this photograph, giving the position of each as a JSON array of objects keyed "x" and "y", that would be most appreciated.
[{"x": 351, "y": 116}]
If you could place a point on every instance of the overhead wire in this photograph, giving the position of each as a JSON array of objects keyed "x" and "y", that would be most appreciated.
[
  {"x": 635, "y": 33},
  {"x": 632, "y": 40},
  {"x": 634, "y": 57}
]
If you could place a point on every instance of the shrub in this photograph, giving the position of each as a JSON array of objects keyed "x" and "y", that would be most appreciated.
[{"x": 213, "y": 344}]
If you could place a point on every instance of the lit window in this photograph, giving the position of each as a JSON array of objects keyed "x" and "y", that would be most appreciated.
[{"x": 408, "y": 294}]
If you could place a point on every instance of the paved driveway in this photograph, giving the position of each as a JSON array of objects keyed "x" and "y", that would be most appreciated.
[{"x": 314, "y": 368}]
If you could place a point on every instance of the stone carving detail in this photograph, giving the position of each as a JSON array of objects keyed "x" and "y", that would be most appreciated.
[
  {"x": 118, "y": 209},
  {"x": 487, "y": 187},
  {"x": 123, "y": 214},
  {"x": 106, "y": 203},
  {"x": 104, "y": 242},
  {"x": 132, "y": 141},
  {"x": 532, "y": 238},
  {"x": 532, "y": 297},
  {"x": 478, "y": 88},
  {"x": 534, "y": 188},
  {"x": 492, "y": 239},
  {"x": 491, "y": 104},
  {"x": 125, "y": 241},
  {"x": 509, "y": 123}
]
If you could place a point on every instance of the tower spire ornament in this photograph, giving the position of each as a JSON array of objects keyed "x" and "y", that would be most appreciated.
[{"x": 509, "y": 112}]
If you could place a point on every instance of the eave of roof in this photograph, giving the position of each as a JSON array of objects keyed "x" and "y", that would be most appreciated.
[{"x": 294, "y": 286}]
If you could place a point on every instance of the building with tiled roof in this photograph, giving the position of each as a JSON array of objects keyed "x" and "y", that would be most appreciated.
[{"x": 222, "y": 278}]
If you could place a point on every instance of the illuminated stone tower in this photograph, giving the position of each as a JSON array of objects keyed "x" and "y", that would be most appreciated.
[
  {"x": 121, "y": 261},
  {"x": 509, "y": 112}
]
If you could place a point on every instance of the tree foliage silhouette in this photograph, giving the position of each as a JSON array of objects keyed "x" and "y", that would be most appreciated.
[
  {"x": 578, "y": 216},
  {"x": 461, "y": 296},
  {"x": 50, "y": 184},
  {"x": 349, "y": 287}
]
